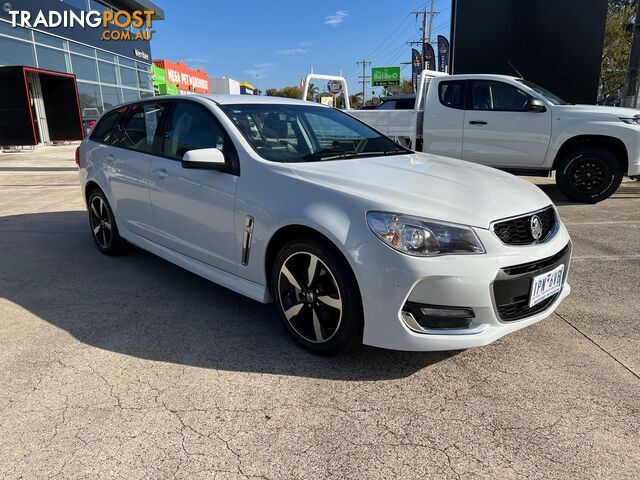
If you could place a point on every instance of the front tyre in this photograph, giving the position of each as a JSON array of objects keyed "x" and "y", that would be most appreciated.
[
  {"x": 103, "y": 225},
  {"x": 589, "y": 174},
  {"x": 317, "y": 297}
]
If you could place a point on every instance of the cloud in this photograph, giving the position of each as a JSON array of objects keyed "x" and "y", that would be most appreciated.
[
  {"x": 336, "y": 19},
  {"x": 261, "y": 69},
  {"x": 291, "y": 51},
  {"x": 200, "y": 59}
]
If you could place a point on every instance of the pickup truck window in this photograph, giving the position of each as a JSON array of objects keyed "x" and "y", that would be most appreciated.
[
  {"x": 301, "y": 133},
  {"x": 452, "y": 94},
  {"x": 497, "y": 96},
  {"x": 546, "y": 94}
]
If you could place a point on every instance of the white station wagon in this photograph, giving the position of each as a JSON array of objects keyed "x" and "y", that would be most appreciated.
[{"x": 353, "y": 237}]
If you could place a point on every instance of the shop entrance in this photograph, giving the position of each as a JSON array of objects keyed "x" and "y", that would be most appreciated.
[{"x": 40, "y": 107}]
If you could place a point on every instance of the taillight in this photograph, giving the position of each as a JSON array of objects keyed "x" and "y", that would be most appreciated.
[
  {"x": 92, "y": 123},
  {"x": 78, "y": 156}
]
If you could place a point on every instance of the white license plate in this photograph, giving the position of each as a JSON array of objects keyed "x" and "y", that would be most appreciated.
[{"x": 546, "y": 285}]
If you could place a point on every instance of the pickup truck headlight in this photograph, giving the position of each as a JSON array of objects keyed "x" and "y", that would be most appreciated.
[
  {"x": 423, "y": 238},
  {"x": 631, "y": 120}
]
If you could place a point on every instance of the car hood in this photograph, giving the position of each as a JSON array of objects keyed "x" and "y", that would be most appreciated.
[
  {"x": 429, "y": 186},
  {"x": 597, "y": 109}
]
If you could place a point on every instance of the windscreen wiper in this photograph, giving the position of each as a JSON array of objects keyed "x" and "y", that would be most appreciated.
[{"x": 354, "y": 154}]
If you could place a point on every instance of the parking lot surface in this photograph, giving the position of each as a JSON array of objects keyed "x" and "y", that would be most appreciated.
[{"x": 130, "y": 367}]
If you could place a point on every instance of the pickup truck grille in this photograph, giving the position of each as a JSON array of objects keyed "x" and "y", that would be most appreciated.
[{"x": 518, "y": 231}]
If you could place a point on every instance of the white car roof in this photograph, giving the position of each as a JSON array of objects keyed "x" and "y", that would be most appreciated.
[{"x": 255, "y": 99}]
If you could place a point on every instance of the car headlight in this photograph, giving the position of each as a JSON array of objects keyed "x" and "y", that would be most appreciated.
[
  {"x": 631, "y": 120},
  {"x": 423, "y": 238}
]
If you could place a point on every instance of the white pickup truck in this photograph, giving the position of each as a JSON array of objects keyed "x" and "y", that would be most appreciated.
[{"x": 514, "y": 125}]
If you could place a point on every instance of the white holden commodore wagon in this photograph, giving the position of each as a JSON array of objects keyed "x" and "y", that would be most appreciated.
[{"x": 353, "y": 237}]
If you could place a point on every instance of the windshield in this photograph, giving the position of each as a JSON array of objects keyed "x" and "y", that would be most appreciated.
[
  {"x": 546, "y": 94},
  {"x": 301, "y": 133}
]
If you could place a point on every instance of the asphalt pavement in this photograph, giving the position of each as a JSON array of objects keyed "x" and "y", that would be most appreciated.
[{"x": 130, "y": 367}]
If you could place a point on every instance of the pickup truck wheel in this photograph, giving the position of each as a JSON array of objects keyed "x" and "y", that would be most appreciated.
[
  {"x": 589, "y": 174},
  {"x": 317, "y": 297}
]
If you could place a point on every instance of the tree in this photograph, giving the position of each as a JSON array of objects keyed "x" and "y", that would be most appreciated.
[
  {"x": 615, "y": 54},
  {"x": 288, "y": 92},
  {"x": 406, "y": 86},
  {"x": 313, "y": 91}
]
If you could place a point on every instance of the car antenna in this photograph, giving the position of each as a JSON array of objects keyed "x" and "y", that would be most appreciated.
[{"x": 515, "y": 69}]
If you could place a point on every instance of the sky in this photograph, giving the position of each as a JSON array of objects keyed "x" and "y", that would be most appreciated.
[{"x": 282, "y": 40}]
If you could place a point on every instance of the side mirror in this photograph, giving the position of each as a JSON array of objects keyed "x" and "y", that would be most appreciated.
[
  {"x": 535, "y": 105},
  {"x": 204, "y": 159}
]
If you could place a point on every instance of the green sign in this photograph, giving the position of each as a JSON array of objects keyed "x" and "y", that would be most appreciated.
[
  {"x": 384, "y": 76},
  {"x": 160, "y": 84}
]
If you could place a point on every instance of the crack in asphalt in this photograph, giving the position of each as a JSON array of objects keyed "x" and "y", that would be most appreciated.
[{"x": 619, "y": 362}]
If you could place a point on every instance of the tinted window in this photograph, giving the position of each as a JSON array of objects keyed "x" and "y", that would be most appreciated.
[
  {"x": 387, "y": 105},
  {"x": 102, "y": 132},
  {"x": 51, "y": 59},
  {"x": 139, "y": 130},
  {"x": 191, "y": 127},
  {"x": 490, "y": 95},
  {"x": 452, "y": 94},
  {"x": 405, "y": 104}
]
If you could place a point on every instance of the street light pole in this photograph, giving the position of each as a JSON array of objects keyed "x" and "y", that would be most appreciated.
[{"x": 257, "y": 84}]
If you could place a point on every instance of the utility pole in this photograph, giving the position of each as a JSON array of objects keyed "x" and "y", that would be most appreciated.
[
  {"x": 427, "y": 25},
  {"x": 257, "y": 84},
  {"x": 364, "y": 78},
  {"x": 631, "y": 82}
]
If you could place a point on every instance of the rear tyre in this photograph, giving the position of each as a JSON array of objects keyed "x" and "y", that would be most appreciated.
[
  {"x": 589, "y": 174},
  {"x": 317, "y": 297},
  {"x": 103, "y": 225}
]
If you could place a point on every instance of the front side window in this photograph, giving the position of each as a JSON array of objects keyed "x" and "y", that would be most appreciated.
[
  {"x": 546, "y": 94},
  {"x": 192, "y": 127},
  {"x": 139, "y": 130},
  {"x": 103, "y": 131},
  {"x": 452, "y": 94},
  {"x": 497, "y": 96},
  {"x": 301, "y": 133}
]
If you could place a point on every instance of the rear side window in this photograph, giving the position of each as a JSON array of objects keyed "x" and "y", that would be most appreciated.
[
  {"x": 102, "y": 132},
  {"x": 497, "y": 96},
  {"x": 139, "y": 130},
  {"x": 452, "y": 94}
]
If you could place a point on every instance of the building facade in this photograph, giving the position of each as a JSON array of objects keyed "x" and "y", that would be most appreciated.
[
  {"x": 170, "y": 76},
  {"x": 107, "y": 72}
]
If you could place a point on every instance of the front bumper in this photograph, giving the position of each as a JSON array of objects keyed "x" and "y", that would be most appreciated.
[{"x": 388, "y": 279}]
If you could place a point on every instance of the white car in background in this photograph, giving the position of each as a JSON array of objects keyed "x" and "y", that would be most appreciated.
[{"x": 355, "y": 238}]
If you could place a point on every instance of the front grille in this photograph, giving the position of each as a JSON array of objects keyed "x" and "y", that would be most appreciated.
[
  {"x": 517, "y": 231},
  {"x": 512, "y": 286},
  {"x": 519, "y": 308}
]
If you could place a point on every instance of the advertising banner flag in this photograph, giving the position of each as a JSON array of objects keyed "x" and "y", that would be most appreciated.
[
  {"x": 443, "y": 54},
  {"x": 429, "y": 57},
  {"x": 416, "y": 68}
]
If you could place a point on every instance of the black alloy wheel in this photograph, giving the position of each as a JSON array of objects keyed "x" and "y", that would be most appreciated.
[
  {"x": 589, "y": 174},
  {"x": 317, "y": 297},
  {"x": 103, "y": 226}
]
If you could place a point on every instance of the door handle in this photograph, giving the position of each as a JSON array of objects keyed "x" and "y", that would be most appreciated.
[
  {"x": 477, "y": 122},
  {"x": 108, "y": 158},
  {"x": 160, "y": 173}
]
